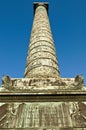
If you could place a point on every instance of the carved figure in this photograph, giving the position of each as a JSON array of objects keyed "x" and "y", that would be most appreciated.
[
  {"x": 6, "y": 82},
  {"x": 79, "y": 81}
]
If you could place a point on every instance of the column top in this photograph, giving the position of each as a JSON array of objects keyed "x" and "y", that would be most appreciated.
[{"x": 36, "y": 4}]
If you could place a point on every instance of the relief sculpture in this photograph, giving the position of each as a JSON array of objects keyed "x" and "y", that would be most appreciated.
[
  {"x": 33, "y": 84},
  {"x": 79, "y": 114},
  {"x": 32, "y": 115},
  {"x": 42, "y": 100}
]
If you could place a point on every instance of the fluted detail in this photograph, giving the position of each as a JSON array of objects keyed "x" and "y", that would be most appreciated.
[{"x": 41, "y": 59}]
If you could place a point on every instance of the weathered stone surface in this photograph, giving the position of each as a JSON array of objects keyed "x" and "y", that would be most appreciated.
[
  {"x": 42, "y": 84},
  {"x": 41, "y": 59},
  {"x": 43, "y": 115},
  {"x": 42, "y": 100}
]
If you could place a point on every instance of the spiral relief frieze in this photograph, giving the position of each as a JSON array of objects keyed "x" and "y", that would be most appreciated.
[{"x": 41, "y": 59}]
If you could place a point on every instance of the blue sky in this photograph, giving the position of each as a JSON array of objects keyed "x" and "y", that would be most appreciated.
[{"x": 68, "y": 25}]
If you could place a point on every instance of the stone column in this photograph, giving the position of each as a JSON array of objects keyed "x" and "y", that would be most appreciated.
[{"x": 41, "y": 59}]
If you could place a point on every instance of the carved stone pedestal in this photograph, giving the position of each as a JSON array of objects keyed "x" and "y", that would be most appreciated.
[{"x": 64, "y": 110}]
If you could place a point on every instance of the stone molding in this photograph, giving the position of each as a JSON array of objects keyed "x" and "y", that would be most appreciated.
[{"x": 25, "y": 97}]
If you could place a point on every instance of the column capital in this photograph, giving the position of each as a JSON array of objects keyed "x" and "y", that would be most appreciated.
[{"x": 36, "y": 4}]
